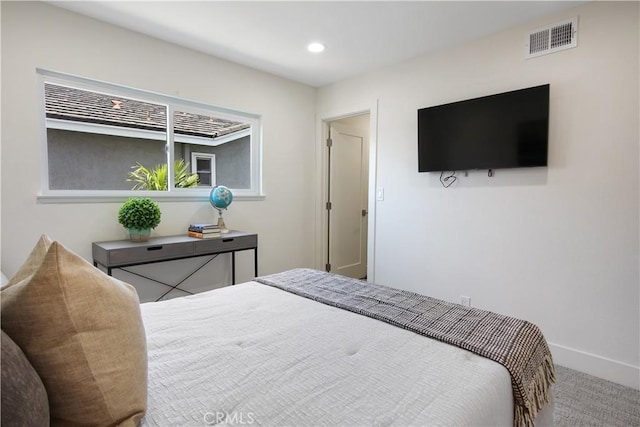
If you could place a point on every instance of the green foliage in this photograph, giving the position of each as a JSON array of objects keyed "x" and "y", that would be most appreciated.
[
  {"x": 155, "y": 179},
  {"x": 149, "y": 179},
  {"x": 139, "y": 212},
  {"x": 182, "y": 177}
]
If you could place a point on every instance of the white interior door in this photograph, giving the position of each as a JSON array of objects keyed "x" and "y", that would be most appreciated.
[{"x": 348, "y": 196}]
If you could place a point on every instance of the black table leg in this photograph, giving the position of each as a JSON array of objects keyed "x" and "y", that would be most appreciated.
[
  {"x": 233, "y": 268},
  {"x": 255, "y": 261}
]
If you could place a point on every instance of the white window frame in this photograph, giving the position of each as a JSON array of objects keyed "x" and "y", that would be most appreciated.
[
  {"x": 212, "y": 166},
  {"x": 46, "y": 195}
]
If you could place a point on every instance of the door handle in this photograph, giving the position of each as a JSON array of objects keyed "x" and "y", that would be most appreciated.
[{"x": 364, "y": 212}]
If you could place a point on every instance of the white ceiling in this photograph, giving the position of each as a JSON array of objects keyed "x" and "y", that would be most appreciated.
[{"x": 360, "y": 36}]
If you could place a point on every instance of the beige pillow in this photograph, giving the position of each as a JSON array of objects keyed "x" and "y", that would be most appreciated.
[
  {"x": 33, "y": 260},
  {"x": 82, "y": 332}
]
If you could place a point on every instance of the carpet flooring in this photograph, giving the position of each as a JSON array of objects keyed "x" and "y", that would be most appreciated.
[{"x": 584, "y": 400}]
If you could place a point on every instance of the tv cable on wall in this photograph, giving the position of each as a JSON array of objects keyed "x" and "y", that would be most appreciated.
[{"x": 447, "y": 181}]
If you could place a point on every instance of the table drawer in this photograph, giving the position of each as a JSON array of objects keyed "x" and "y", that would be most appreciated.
[
  {"x": 230, "y": 243},
  {"x": 150, "y": 253}
]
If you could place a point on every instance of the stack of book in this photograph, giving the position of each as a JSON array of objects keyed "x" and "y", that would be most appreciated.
[{"x": 204, "y": 231}]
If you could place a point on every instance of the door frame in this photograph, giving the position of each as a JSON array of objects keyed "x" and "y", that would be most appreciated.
[{"x": 320, "y": 232}]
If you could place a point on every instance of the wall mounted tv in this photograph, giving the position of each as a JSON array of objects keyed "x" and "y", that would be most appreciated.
[{"x": 506, "y": 130}]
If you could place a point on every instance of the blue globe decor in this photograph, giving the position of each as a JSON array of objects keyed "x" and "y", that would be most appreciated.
[{"x": 220, "y": 198}]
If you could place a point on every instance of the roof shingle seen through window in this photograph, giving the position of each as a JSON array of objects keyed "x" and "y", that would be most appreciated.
[{"x": 66, "y": 103}]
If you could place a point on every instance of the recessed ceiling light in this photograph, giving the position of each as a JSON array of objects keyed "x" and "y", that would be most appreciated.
[{"x": 315, "y": 47}]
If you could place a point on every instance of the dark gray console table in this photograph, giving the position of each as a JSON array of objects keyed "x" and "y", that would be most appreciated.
[{"x": 125, "y": 253}]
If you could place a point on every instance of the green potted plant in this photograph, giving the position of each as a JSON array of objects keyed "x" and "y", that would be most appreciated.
[{"x": 139, "y": 215}]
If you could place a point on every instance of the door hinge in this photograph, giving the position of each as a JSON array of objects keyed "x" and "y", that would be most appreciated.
[
  {"x": 328, "y": 206},
  {"x": 329, "y": 142},
  {"x": 327, "y": 267}
]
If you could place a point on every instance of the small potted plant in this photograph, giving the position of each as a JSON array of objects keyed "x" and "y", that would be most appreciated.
[{"x": 139, "y": 215}]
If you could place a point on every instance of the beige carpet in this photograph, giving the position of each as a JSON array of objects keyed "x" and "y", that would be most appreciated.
[{"x": 584, "y": 400}]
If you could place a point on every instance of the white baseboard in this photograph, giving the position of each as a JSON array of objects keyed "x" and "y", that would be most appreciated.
[{"x": 598, "y": 366}]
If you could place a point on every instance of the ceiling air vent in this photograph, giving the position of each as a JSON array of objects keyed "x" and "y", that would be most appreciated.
[{"x": 552, "y": 38}]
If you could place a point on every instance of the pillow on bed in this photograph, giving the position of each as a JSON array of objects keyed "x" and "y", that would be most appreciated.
[
  {"x": 83, "y": 333},
  {"x": 24, "y": 399},
  {"x": 3, "y": 279},
  {"x": 33, "y": 260}
]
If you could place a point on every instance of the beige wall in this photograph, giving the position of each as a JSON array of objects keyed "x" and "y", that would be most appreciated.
[
  {"x": 40, "y": 35},
  {"x": 557, "y": 246}
]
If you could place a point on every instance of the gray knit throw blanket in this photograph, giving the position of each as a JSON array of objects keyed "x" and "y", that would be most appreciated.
[{"x": 516, "y": 344}]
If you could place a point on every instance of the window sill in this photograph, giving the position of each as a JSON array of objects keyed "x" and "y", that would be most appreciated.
[{"x": 54, "y": 197}]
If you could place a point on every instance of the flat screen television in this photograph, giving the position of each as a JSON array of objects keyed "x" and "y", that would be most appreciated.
[{"x": 506, "y": 130}]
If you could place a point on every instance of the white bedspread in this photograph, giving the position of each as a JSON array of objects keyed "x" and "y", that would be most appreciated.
[{"x": 255, "y": 355}]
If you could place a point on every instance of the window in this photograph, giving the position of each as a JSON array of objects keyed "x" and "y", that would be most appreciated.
[
  {"x": 204, "y": 165},
  {"x": 104, "y": 140}
]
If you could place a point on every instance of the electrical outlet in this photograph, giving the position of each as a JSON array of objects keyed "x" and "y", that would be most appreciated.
[{"x": 466, "y": 301}]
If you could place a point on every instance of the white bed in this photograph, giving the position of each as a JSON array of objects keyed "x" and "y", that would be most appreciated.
[{"x": 252, "y": 354}]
